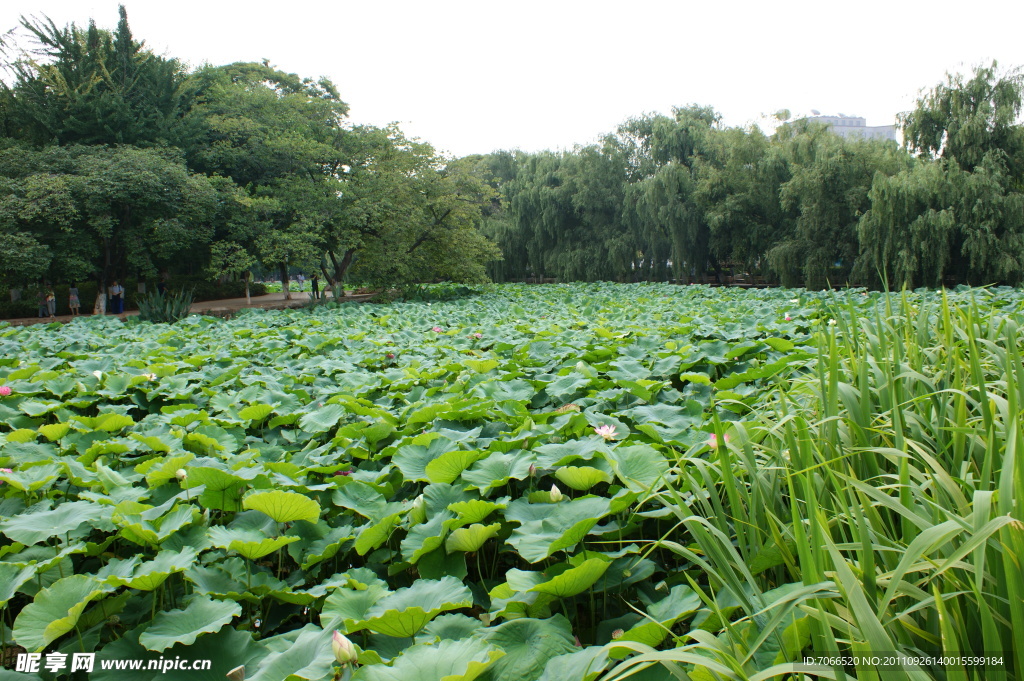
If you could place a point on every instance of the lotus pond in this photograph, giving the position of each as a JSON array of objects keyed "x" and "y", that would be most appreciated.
[{"x": 565, "y": 482}]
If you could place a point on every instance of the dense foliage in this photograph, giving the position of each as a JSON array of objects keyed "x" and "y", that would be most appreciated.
[
  {"x": 532, "y": 483},
  {"x": 681, "y": 197},
  {"x": 116, "y": 163}
]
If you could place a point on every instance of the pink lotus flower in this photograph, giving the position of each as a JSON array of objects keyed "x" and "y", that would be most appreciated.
[
  {"x": 5, "y": 390},
  {"x": 343, "y": 649},
  {"x": 478, "y": 336},
  {"x": 390, "y": 355},
  {"x": 607, "y": 432},
  {"x": 713, "y": 440},
  {"x": 5, "y": 470},
  {"x": 437, "y": 329},
  {"x": 788, "y": 318}
]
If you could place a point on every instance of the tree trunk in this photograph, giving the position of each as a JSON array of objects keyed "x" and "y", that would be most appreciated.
[{"x": 284, "y": 281}]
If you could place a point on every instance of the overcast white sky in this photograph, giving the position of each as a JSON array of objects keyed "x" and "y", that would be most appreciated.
[{"x": 472, "y": 76}]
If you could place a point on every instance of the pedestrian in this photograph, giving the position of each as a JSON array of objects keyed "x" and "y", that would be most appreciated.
[
  {"x": 161, "y": 286},
  {"x": 315, "y": 283},
  {"x": 51, "y": 303},
  {"x": 73, "y": 301},
  {"x": 41, "y": 300},
  {"x": 117, "y": 298}
]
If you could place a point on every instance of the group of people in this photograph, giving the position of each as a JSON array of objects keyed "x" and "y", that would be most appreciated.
[{"x": 47, "y": 300}]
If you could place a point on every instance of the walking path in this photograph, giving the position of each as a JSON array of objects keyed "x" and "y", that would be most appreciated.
[{"x": 218, "y": 308}]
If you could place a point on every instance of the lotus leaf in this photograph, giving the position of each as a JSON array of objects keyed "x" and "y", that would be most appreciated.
[
  {"x": 283, "y": 507},
  {"x": 56, "y": 610},
  {"x": 200, "y": 616},
  {"x": 461, "y": 660}
]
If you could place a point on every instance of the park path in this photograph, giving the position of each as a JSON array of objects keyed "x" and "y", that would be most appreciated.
[{"x": 218, "y": 308}]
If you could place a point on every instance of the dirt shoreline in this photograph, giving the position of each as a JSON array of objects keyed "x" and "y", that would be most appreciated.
[{"x": 216, "y": 308}]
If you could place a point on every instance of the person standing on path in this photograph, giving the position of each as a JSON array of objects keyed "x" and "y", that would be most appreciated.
[
  {"x": 41, "y": 300},
  {"x": 117, "y": 298},
  {"x": 73, "y": 302},
  {"x": 51, "y": 303}
]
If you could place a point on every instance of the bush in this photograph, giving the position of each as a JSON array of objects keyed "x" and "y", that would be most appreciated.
[{"x": 165, "y": 308}]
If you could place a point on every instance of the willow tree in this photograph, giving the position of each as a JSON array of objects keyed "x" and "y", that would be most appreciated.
[
  {"x": 826, "y": 195},
  {"x": 957, "y": 215},
  {"x": 740, "y": 197},
  {"x": 670, "y": 220},
  {"x": 967, "y": 119}
]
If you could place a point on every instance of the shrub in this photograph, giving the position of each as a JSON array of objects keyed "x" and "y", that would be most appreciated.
[{"x": 165, "y": 307}]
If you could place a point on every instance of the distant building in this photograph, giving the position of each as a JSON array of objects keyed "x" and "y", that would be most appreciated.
[{"x": 855, "y": 126}]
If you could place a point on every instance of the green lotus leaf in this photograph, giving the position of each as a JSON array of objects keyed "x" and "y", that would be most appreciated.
[
  {"x": 474, "y": 510},
  {"x": 581, "y": 478},
  {"x": 406, "y": 611},
  {"x": 447, "y": 467},
  {"x": 200, "y": 616},
  {"x": 303, "y": 655},
  {"x": 12, "y": 576},
  {"x": 37, "y": 408},
  {"x": 56, "y": 609},
  {"x": 154, "y": 442},
  {"x": 282, "y": 506},
  {"x": 425, "y": 537},
  {"x": 256, "y": 412},
  {"x": 372, "y": 535},
  {"x": 582, "y": 665},
  {"x": 201, "y": 443},
  {"x": 639, "y": 467},
  {"x": 323, "y": 419},
  {"x": 162, "y": 469},
  {"x": 461, "y": 660},
  {"x": 110, "y": 422},
  {"x": 547, "y": 528},
  {"x": 497, "y": 469},
  {"x": 362, "y": 498},
  {"x": 573, "y": 580},
  {"x": 35, "y": 526},
  {"x": 470, "y": 538},
  {"x": 151, "y": 574},
  {"x": 348, "y": 606},
  {"x": 249, "y": 543},
  {"x": 55, "y": 431},
  {"x": 32, "y": 479},
  {"x": 378, "y": 431},
  {"x": 21, "y": 435},
  {"x": 563, "y": 453},
  {"x": 413, "y": 459},
  {"x": 452, "y": 627},
  {"x": 481, "y": 366},
  {"x": 529, "y": 644},
  {"x": 327, "y": 542}
]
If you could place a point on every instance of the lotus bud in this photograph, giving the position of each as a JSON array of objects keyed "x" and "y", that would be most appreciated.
[
  {"x": 344, "y": 651},
  {"x": 5, "y": 390},
  {"x": 533, "y": 470},
  {"x": 418, "y": 514},
  {"x": 181, "y": 474},
  {"x": 556, "y": 494}
]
